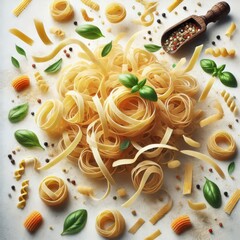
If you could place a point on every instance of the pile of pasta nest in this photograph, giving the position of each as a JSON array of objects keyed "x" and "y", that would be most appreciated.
[{"x": 95, "y": 114}]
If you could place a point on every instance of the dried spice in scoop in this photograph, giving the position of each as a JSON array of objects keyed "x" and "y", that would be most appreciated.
[{"x": 179, "y": 36}]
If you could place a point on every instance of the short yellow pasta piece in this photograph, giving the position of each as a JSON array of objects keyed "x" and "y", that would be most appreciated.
[
  {"x": 232, "y": 202},
  {"x": 24, "y": 194},
  {"x": 181, "y": 224},
  {"x": 21, "y": 7},
  {"x": 216, "y": 52},
  {"x": 196, "y": 206},
  {"x": 154, "y": 235},
  {"x": 136, "y": 226},
  {"x": 115, "y": 12},
  {"x": 57, "y": 32},
  {"x": 231, "y": 29},
  {"x": 42, "y": 84},
  {"x": 41, "y": 32},
  {"x": 93, "y": 5},
  {"x": 33, "y": 221},
  {"x": 85, "y": 16},
  {"x": 21, "y": 83},
  {"x": 229, "y": 101},
  {"x": 21, "y": 36}
]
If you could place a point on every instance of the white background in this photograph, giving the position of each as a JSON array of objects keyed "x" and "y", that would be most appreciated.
[{"x": 12, "y": 218}]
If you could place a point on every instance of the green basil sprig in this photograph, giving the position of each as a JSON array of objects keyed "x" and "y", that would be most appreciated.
[
  {"x": 89, "y": 31},
  {"x": 226, "y": 78},
  {"x": 231, "y": 168},
  {"x": 15, "y": 62},
  {"x": 152, "y": 47},
  {"x": 212, "y": 194},
  {"x": 27, "y": 138},
  {"x": 75, "y": 222},
  {"x": 21, "y": 51},
  {"x": 55, "y": 67},
  {"x": 131, "y": 81},
  {"x": 18, "y": 113},
  {"x": 124, "y": 144},
  {"x": 107, "y": 49}
]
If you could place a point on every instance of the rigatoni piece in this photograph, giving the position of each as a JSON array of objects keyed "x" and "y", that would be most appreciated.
[
  {"x": 136, "y": 226},
  {"x": 181, "y": 224},
  {"x": 187, "y": 186},
  {"x": 232, "y": 202},
  {"x": 33, "y": 221}
]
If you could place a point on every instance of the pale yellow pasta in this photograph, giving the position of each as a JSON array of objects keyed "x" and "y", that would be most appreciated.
[
  {"x": 22, "y": 165},
  {"x": 61, "y": 10},
  {"x": 24, "y": 194},
  {"x": 92, "y": 4},
  {"x": 207, "y": 89},
  {"x": 88, "y": 191},
  {"x": 57, "y": 32},
  {"x": 85, "y": 16},
  {"x": 136, "y": 226},
  {"x": 21, "y": 6},
  {"x": 222, "y": 153},
  {"x": 42, "y": 84},
  {"x": 147, "y": 177},
  {"x": 116, "y": 221},
  {"x": 188, "y": 175},
  {"x": 41, "y": 32},
  {"x": 150, "y": 7},
  {"x": 21, "y": 36},
  {"x": 196, "y": 206},
  {"x": 232, "y": 202},
  {"x": 231, "y": 29},
  {"x": 173, "y": 5},
  {"x": 115, "y": 12},
  {"x": 216, "y": 52},
  {"x": 229, "y": 100},
  {"x": 173, "y": 164},
  {"x": 53, "y": 191},
  {"x": 215, "y": 117},
  {"x": 205, "y": 158},
  {"x": 191, "y": 142},
  {"x": 162, "y": 211},
  {"x": 153, "y": 235}
]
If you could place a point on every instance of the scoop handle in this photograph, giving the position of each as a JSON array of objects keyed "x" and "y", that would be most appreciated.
[{"x": 218, "y": 11}]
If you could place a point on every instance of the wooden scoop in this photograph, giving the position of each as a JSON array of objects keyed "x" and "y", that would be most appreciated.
[{"x": 199, "y": 24}]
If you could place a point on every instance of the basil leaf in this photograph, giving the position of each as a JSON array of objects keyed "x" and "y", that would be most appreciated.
[
  {"x": 15, "y": 62},
  {"x": 220, "y": 69},
  {"x": 212, "y": 194},
  {"x": 106, "y": 50},
  {"x": 135, "y": 89},
  {"x": 89, "y": 31},
  {"x": 75, "y": 222},
  {"x": 55, "y": 67},
  {"x": 228, "y": 79},
  {"x": 208, "y": 65},
  {"x": 124, "y": 144},
  {"x": 148, "y": 93},
  {"x": 142, "y": 83},
  {"x": 152, "y": 47},
  {"x": 27, "y": 138},
  {"x": 231, "y": 168},
  {"x": 128, "y": 80},
  {"x": 18, "y": 113},
  {"x": 20, "y": 51}
]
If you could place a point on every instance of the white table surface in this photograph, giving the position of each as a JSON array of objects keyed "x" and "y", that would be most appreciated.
[{"x": 11, "y": 227}]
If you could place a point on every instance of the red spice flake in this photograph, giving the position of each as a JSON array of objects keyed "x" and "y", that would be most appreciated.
[
  {"x": 39, "y": 100},
  {"x": 210, "y": 230},
  {"x": 220, "y": 225},
  {"x": 210, "y": 170},
  {"x": 73, "y": 182},
  {"x": 33, "y": 65},
  {"x": 67, "y": 55},
  {"x": 177, "y": 188},
  {"x": 178, "y": 177},
  {"x": 65, "y": 51}
]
